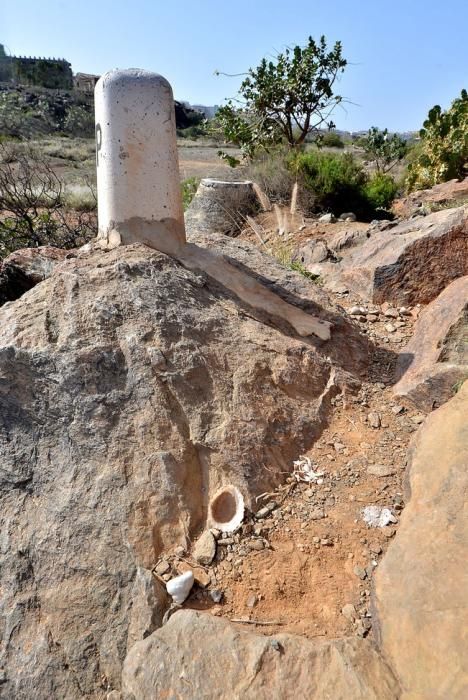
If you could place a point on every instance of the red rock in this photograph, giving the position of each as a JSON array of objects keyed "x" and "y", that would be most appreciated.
[
  {"x": 436, "y": 358},
  {"x": 411, "y": 263}
]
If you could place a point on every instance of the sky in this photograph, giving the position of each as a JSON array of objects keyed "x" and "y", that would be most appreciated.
[{"x": 404, "y": 55}]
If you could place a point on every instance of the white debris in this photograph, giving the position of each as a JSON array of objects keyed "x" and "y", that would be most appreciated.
[
  {"x": 180, "y": 586},
  {"x": 303, "y": 471},
  {"x": 376, "y": 516}
]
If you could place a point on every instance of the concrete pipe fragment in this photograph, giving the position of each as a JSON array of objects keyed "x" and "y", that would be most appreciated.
[
  {"x": 139, "y": 196},
  {"x": 221, "y": 207},
  {"x": 226, "y": 509}
]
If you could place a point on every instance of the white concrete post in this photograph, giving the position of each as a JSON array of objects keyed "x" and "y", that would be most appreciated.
[{"x": 139, "y": 197}]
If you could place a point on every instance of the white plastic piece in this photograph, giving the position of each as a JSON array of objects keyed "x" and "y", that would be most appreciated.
[
  {"x": 226, "y": 509},
  {"x": 303, "y": 471},
  {"x": 180, "y": 586},
  {"x": 139, "y": 196}
]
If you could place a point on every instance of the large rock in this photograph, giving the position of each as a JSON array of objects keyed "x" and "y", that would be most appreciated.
[
  {"x": 347, "y": 347},
  {"x": 131, "y": 389},
  {"x": 422, "y": 582},
  {"x": 436, "y": 357},
  {"x": 440, "y": 195},
  {"x": 221, "y": 207},
  {"x": 410, "y": 263},
  {"x": 25, "y": 268},
  {"x": 199, "y": 656}
]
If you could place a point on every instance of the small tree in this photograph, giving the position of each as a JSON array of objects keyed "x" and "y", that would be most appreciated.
[
  {"x": 284, "y": 99},
  {"x": 385, "y": 150},
  {"x": 443, "y": 152}
]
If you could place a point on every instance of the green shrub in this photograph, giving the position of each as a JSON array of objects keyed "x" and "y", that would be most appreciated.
[
  {"x": 189, "y": 188},
  {"x": 337, "y": 181},
  {"x": 380, "y": 191},
  {"x": 443, "y": 153},
  {"x": 332, "y": 140}
]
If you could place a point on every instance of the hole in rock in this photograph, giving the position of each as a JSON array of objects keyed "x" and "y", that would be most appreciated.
[{"x": 223, "y": 507}]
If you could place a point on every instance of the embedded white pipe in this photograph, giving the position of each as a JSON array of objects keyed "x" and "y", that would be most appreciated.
[
  {"x": 139, "y": 196},
  {"x": 226, "y": 509}
]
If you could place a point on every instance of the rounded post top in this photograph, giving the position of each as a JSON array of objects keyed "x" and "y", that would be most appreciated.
[{"x": 117, "y": 78}]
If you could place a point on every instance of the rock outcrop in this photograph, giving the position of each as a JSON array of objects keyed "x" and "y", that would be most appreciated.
[
  {"x": 199, "y": 656},
  {"x": 447, "y": 192},
  {"x": 408, "y": 264},
  {"x": 221, "y": 207},
  {"x": 436, "y": 357},
  {"x": 131, "y": 389},
  {"x": 422, "y": 582}
]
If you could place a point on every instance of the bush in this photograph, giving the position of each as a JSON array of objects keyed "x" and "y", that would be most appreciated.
[
  {"x": 79, "y": 122},
  {"x": 443, "y": 153},
  {"x": 272, "y": 173},
  {"x": 33, "y": 205},
  {"x": 337, "y": 181},
  {"x": 189, "y": 188},
  {"x": 332, "y": 140},
  {"x": 380, "y": 191}
]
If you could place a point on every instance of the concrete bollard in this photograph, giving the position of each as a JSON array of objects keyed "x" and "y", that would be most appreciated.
[{"x": 139, "y": 196}]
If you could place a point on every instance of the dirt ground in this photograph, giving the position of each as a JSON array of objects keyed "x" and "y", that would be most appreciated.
[{"x": 296, "y": 569}]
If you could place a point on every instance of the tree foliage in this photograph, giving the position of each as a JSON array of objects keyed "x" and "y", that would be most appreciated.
[
  {"x": 285, "y": 99},
  {"x": 443, "y": 153},
  {"x": 384, "y": 149}
]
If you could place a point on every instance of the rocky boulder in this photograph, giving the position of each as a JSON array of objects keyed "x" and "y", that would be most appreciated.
[
  {"x": 422, "y": 200},
  {"x": 199, "y": 656},
  {"x": 131, "y": 389},
  {"x": 436, "y": 357},
  {"x": 408, "y": 264},
  {"x": 422, "y": 583}
]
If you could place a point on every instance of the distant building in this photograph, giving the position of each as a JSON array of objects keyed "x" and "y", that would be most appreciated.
[
  {"x": 42, "y": 72},
  {"x": 85, "y": 81}
]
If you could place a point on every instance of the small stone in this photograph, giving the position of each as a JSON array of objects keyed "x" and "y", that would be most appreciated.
[
  {"x": 397, "y": 409},
  {"x": 372, "y": 318},
  {"x": 252, "y": 600},
  {"x": 200, "y": 575},
  {"x": 360, "y": 572},
  {"x": 374, "y": 420},
  {"x": 216, "y": 533},
  {"x": 317, "y": 514},
  {"x": 418, "y": 419},
  {"x": 266, "y": 510},
  {"x": 339, "y": 447},
  {"x": 225, "y": 541},
  {"x": 205, "y": 549},
  {"x": 216, "y": 595},
  {"x": 256, "y": 545},
  {"x": 357, "y": 311},
  {"x": 391, "y": 313},
  {"x": 327, "y": 219},
  {"x": 326, "y": 542},
  {"x": 349, "y": 611},
  {"x": 380, "y": 470},
  {"x": 162, "y": 567},
  {"x": 179, "y": 551},
  {"x": 375, "y": 549},
  {"x": 390, "y": 328},
  {"x": 262, "y": 513}
]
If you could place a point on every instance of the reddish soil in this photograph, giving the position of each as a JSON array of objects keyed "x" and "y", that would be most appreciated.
[{"x": 303, "y": 572}]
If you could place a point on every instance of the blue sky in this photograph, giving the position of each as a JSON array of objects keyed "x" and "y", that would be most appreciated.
[{"x": 405, "y": 56}]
